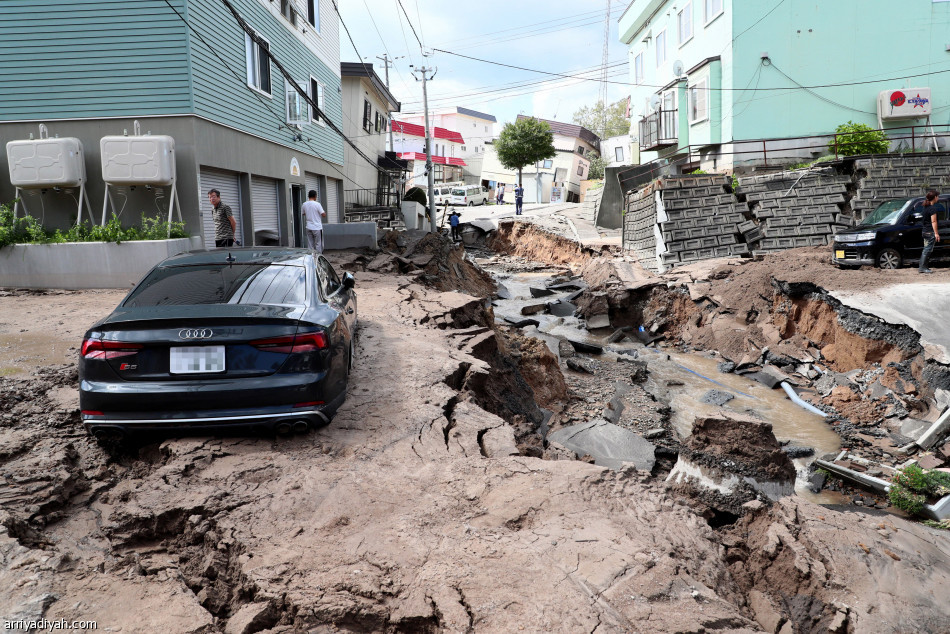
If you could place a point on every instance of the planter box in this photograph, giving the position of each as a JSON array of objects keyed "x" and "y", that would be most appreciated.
[{"x": 74, "y": 265}]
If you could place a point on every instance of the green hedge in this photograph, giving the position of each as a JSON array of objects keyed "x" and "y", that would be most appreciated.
[{"x": 28, "y": 230}]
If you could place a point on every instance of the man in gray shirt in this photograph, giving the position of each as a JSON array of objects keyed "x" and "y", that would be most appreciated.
[
  {"x": 224, "y": 223},
  {"x": 313, "y": 213}
]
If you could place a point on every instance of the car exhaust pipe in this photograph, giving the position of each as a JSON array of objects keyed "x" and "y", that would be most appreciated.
[
  {"x": 283, "y": 428},
  {"x": 301, "y": 427},
  {"x": 107, "y": 435}
]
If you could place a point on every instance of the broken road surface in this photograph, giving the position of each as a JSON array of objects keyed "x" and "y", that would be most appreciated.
[{"x": 411, "y": 511}]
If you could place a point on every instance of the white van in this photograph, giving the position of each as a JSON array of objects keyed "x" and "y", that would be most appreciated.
[
  {"x": 441, "y": 193},
  {"x": 469, "y": 195}
]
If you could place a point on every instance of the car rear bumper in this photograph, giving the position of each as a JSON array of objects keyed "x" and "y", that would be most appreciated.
[{"x": 284, "y": 418}]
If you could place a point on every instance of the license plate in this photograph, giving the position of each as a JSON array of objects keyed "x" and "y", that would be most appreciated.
[
  {"x": 839, "y": 255},
  {"x": 196, "y": 360}
]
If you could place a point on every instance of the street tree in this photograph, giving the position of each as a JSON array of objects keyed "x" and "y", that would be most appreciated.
[
  {"x": 524, "y": 142},
  {"x": 592, "y": 118},
  {"x": 597, "y": 166}
]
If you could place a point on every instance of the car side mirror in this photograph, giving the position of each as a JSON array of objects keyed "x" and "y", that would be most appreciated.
[
  {"x": 916, "y": 216},
  {"x": 348, "y": 280}
]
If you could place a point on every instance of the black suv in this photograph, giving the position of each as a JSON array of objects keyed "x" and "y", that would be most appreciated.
[{"x": 890, "y": 236}]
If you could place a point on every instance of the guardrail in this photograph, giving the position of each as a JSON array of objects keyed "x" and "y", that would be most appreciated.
[{"x": 370, "y": 198}]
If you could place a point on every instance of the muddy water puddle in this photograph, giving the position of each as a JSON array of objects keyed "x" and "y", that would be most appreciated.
[
  {"x": 682, "y": 379},
  {"x": 19, "y": 353}
]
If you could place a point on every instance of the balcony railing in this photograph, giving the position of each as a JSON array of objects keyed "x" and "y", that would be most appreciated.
[{"x": 658, "y": 130}]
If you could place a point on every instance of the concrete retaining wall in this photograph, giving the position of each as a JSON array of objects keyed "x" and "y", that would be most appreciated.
[
  {"x": 75, "y": 265},
  {"x": 878, "y": 178}
]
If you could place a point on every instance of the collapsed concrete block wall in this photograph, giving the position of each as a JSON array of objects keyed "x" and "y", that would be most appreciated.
[
  {"x": 879, "y": 178},
  {"x": 799, "y": 208},
  {"x": 680, "y": 219},
  {"x": 639, "y": 227}
]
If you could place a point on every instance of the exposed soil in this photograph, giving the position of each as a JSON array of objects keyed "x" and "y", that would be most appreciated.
[{"x": 420, "y": 507}]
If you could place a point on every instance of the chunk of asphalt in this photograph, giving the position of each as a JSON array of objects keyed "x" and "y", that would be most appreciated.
[
  {"x": 616, "y": 336},
  {"x": 610, "y": 445},
  {"x": 613, "y": 410},
  {"x": 595, "y": 322},
  {"x": 656, "y": 432},
  {"x": 502, "y": 292},
  {"x": 589, "y": 348},
  {"x": 580, "y": 365},
  {"x": 572, "y": 285},
  {"x": 522, "y": 323},
  {"x": 574, "y": 295},
  {"x": 564, "y": 349},
  {"x": 539, "y": 292},
  {"x": 562, "y": 308},
  {"x": 765, "y": 379},
  {"x": 797, "y": 451},
  {"x": 639, "y": 371},
  {"x": 726, "y": 366},
  {"x": 533, "y": 309},
  {"x": 717, "y": 397}
]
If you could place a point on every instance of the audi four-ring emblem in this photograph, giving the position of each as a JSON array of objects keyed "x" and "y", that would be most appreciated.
[{"x": 195, "y": 333}]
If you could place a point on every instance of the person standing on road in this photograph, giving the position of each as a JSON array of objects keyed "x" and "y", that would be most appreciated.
[
  {"x": 500, "y": 198},
  {"x": 313, "y": 213},
  {"x": 224, "y": 223},
  {"x": 519, "y": 198},
  {"x": 454, "y": 223},
  {"x": 931, "y": 210}
]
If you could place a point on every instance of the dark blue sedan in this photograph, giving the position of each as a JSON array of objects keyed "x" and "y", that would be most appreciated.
[{"x": 257, "y": 338}]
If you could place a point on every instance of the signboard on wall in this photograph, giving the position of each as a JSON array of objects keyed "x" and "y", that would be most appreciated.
[{"x": 904, "y": 103}]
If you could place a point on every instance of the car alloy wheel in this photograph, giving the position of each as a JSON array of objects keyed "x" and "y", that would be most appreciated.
[{"x": 889, "y": 259}]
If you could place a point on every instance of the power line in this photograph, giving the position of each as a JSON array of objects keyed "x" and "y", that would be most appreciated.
[
  {"x": 258, "y": 96},
  {"x": 624, "y": 83},
  {"x": 410, "y": 23}
]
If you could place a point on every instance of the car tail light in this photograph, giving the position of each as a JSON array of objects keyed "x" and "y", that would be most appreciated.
[
  {"x": 91, "y": 412},
  {"x": 93, "y": 348},
  {"x": 293, "y": 344},
  {"x": 309, "y": 404}
]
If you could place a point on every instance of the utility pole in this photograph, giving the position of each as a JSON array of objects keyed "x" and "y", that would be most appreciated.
[
  {"x": 425, "y": 102},
  {"x": 386, "y": 64}
]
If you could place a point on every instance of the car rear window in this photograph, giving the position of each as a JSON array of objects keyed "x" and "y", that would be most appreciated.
[
  {"x": 222, "y": 284},
  {"x": 458, "y": 192}
]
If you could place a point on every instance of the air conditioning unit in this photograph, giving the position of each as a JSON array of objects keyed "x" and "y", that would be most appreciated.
[{"x": 904, "y": 103}]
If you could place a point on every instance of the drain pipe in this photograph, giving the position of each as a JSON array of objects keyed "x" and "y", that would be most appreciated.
[{"x": 798, "y": 400}]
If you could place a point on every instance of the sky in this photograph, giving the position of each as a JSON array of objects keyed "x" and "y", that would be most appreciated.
[{"x": 557, "y": 36}]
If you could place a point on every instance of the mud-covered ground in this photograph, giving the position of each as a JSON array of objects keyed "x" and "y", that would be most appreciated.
[{"x": 415, "y": 510}]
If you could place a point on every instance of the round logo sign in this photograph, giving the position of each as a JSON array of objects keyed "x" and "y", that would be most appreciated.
[{"x": 897, "y": 99}]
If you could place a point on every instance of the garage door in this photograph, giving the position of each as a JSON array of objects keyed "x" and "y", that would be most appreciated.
[
  {"x": 333, "y": 200},
  {"x": 264, "y": 210},
  {"x": 227, "y": 184},
  {"x": 313, "y": 183}
]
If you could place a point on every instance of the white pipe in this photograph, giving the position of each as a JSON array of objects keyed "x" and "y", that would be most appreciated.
[{"x": 798, "y": 400}]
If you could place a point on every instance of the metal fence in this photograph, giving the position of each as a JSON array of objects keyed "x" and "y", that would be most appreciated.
[{"x": 353, "y": 198}]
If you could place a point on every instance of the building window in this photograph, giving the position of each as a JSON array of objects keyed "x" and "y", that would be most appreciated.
[
  {"x": 258, "y": 63},
  {"x": 638, "y": 68},
  {"x": 660, "y": 48},
  {"x": 287, "y": 10},
  {"x": 580, "y": 150},
  {"x": 698, "y": 104},
  {"x": 548, "y": 164},
  {"x": 313, "y": 14},
  {"x": 316, "y": 93},
  {"x": 486, "y": 128},
  {"x": 684, "y": 23},
  {"x": 713, "y": 9},
  {"x": 580, "y": 170},
  {"x": 463, "y": 148},
  {"x": 296, "y": 105},
  {"x": 377, "y": 123},
  {"x": 618, "y": 154},
  {"x": 367, "y": 115}
]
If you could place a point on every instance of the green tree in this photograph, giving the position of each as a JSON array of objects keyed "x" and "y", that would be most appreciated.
[
  {"x": 524, "y": 142},
  {"x": 592, "y": 118},
  {"x": 858, "y": 138},
  {"x": 597, "y": 165}
]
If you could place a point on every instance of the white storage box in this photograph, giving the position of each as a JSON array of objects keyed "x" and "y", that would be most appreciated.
[
  {"x": 138, "y": 160},
  {"x": 44, "y": 163}
]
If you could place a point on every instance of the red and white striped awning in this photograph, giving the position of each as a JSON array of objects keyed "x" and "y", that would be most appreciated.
[{"x": 440, "y": 160}]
